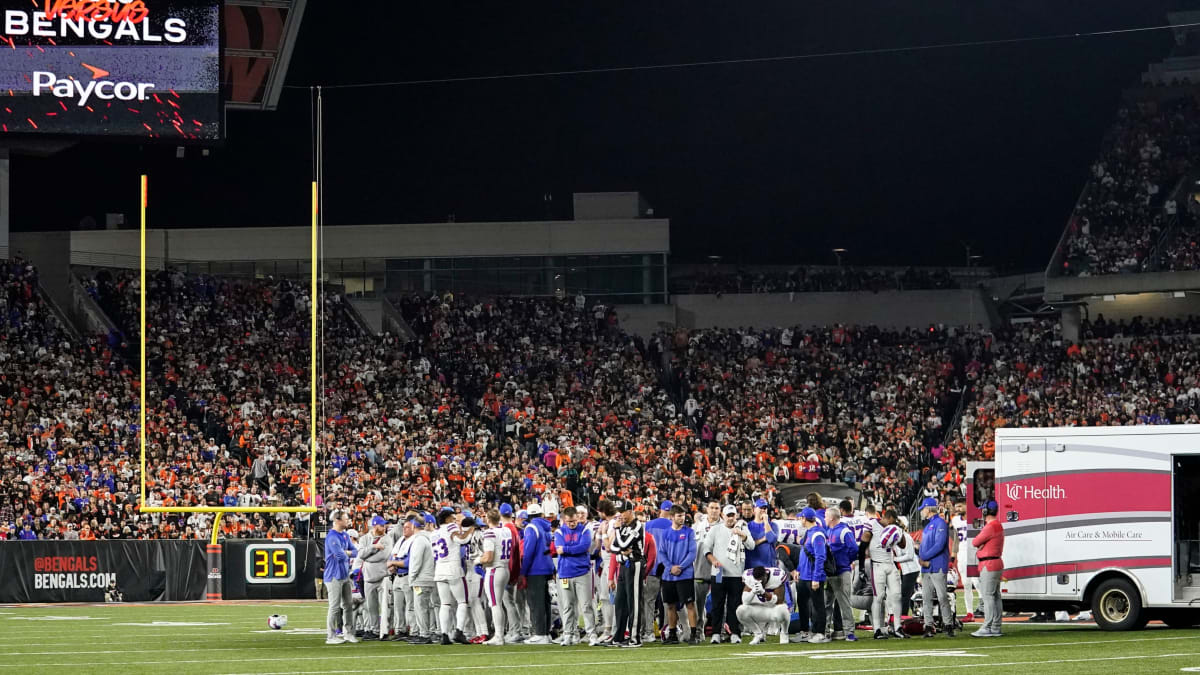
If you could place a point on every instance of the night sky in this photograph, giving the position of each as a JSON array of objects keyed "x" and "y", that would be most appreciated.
[{"x": 900, "y": 158}]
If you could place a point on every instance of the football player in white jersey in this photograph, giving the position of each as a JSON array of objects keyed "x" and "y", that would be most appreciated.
[
  {"x": 852, "y": 518},
  {"x": 609, "y": 522},
  {"x": 791, "y": 530},
  {"x": 884, "y": 537},
  {"x": 962, "y": 556},
  {"x": 474, "y": 577},
  {"x": 448, "y": 573},
  {"x": 497, "y": 552},
  {"x": 763, "y": 609}
]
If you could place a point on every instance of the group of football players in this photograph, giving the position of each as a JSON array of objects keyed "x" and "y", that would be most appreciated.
[{"x": 610, "y": 577}]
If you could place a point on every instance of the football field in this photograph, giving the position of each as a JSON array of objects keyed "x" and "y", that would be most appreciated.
[{"x": 234, "y": 638}]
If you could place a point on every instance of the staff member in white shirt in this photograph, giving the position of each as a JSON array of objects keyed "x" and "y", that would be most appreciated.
[{"x": 910, "y": 569}]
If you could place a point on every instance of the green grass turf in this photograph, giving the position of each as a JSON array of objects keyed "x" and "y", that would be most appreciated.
[{"x": 234, "y": 638}]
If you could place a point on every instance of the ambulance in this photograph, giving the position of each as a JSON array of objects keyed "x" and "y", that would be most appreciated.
[{"x": 1100, "y": 518}]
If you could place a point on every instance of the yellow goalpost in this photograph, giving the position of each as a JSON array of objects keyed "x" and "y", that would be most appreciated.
[{"x": 311, "y": 507}]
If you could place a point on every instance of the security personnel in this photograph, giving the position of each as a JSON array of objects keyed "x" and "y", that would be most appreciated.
[
  {"x": 989, "y": 547},
  {"x": 934, "y": 557}
]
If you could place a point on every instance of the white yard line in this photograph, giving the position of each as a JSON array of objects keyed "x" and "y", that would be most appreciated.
[
  {"x": 340, "y": 653},
  {"x": 986, "y": 665},
  {"x": 939, "y": 666}
]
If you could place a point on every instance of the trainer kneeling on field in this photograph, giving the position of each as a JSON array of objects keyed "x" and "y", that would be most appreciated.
[{"x": 989, "y": 545}]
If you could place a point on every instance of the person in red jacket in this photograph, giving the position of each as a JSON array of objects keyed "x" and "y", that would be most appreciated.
[
  {"x": 514, "y": 595},
  {"x": 989, "y": 547}
]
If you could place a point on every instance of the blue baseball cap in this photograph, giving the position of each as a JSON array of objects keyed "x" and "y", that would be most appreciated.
[
  {"x": 468, "y": 514},
  {"x": 522, "y": 515},
  {"x": 929, "y": 503},
  {"x": 761, "y": 503},
  {"x": 666, "y": 505},
  {"x": 506, "y": 509},
  {"x": 430, "y": 520},
  {"x": 378, "y": 520},
  {"x": 808, "y": 513},
  {"x": 447, "y": 509},
  {"x": 480, "y": 523},
  {"x": 991, "y": 507}
]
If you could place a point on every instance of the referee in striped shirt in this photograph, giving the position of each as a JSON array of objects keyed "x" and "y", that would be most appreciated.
[{"x": 629, "y": 557}]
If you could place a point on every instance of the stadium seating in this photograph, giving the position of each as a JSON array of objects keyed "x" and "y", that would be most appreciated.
[
  {"x": 1125, "y": 208},
  {"x": 512, "y": 399}
]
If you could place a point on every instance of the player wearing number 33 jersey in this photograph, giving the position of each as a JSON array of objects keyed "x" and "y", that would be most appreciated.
[{"x": 447, "y": 543}]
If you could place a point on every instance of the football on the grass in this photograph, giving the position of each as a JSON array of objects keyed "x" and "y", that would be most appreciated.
[{"x": 277, "y": 621}]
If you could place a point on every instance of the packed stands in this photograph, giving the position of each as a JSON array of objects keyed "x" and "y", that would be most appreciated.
[
  {"x": 859, "y": 405},
  {"x": 512, "y": 399},
  {"x": 1125, "y": 208}
]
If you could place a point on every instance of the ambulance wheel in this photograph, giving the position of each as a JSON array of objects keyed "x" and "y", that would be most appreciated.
[{"x": 1117, "y": 605}]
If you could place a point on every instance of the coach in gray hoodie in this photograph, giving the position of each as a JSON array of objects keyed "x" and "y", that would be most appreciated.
[
  {"x": 373, "y": 549},
  {"x": 420, "y": 576}
]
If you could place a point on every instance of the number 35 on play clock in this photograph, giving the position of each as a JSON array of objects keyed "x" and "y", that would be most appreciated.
[{"x": 270, "y": 563}]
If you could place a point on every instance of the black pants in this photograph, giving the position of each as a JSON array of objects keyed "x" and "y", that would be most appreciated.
[
  {"x": 814, "y": 601},
  {"x": 726, "y": 598},
  {"x": 628, "y": 608},
  {"x": 908, "y": 583},
  {"x": 538, "y": 596}
]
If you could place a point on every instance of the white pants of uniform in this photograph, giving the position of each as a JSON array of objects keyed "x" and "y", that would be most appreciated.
[
  {"x": 885, "y": 583},
  {"x": 970, "y": 584},
  {"x": 575, "y": 599},
  {"x": 402, "y": 604},
  {"x": 453, "y": 596},
  {"x": 763, "y": 619},
  {"x": 475, "y": 603},
  {"x": 495, "y": 586},
  {"x": 425, "y": 610},
  {"x": 607, "y": 610}
]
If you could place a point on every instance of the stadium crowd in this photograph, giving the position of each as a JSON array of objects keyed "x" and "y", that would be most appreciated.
[
  {"x": 1126, "y": 204},
  {"x": 513, "y": 400}
]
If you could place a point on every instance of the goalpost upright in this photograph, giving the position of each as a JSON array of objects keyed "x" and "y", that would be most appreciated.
[{"x": 214, "y": 547}]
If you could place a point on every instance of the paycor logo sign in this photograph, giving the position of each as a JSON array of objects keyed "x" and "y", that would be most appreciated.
[
  {"x": 1016, "y": 491},
  {"x": 48, "y": 83}
]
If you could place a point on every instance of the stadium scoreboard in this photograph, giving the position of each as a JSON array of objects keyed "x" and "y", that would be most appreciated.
[
  {"x": 270, "y": 563},
  {"x": 112, "y": 68}
]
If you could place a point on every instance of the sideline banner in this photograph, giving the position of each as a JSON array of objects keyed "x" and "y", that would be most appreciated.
[{"x": 102, "y": 571}]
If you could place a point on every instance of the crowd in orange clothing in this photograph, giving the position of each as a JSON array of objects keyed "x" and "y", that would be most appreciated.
[{"x": 514, "y": 400}]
